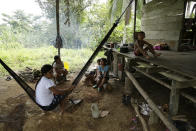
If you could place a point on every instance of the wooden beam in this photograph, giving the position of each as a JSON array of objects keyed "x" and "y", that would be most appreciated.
[
  {"x": 173, "y": 76},
  {"x": 165, "y": 120},
  {"x": 153, "y": 118},
  {"x": 128, "y": 88},
  {"x": 174, "y": 99},
  {"x": 144, "y": 64},
  {"x": 144, "y": 124},
  {"x": 115, "y": 64},
  {"x": 121, "y": 73},
  {"x": 57, "y": 25},
  {"x": 193, "y": 99},
  {"x": 153, "y": 78},
  {"x": 188, "y": 83},
  {"x": 164, "y": 84},
  {"x": 135, "y": 17}
]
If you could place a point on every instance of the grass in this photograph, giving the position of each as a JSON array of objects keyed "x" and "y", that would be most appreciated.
[{"x": 19, "y": 59}]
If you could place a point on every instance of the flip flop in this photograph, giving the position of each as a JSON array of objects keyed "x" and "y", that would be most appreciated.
[{"x": 75, "y": 102}]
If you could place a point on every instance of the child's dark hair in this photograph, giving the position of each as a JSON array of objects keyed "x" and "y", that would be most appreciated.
[
  {"x": 45, "y": 69},
  {"x": 104, "y": 61},
  {"x": 56, "y": 57},
  {"x": 99, "y": 60},
  {"x": 141, "y": 32}
]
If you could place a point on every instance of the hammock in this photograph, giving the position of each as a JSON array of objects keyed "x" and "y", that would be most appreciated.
[
  {"x": 23, "y": 84},
  {"x": 31, "y": 92}
]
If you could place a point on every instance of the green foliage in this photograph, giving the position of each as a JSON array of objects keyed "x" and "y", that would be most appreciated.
[
  {"x": 28, "y": 30},
  {"x": 24, "y": 39}
]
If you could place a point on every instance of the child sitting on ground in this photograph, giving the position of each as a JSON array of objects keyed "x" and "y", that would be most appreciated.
[
  {"x": 103, "y": 74},
  {"x": 140, "y": 50},
  {"x": 91, "y": 77},
  {"x": 58, "y": 69},
  {"x": 97, "y": 69},
  {"x": 47, "y": 94}
]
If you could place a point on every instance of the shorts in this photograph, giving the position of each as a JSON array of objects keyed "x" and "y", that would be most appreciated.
[{"x": 55, "y": 102}]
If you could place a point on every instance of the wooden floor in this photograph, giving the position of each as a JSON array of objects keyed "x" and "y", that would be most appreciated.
[
  {"x": 184, "y": 62},
  {"x": 180, "y": 61}
]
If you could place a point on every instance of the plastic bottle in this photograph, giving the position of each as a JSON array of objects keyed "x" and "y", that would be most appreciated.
[{"x": 95, "y": 110}]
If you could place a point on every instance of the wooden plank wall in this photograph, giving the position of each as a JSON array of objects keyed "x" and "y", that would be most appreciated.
[{"x": 162, "y": 21}]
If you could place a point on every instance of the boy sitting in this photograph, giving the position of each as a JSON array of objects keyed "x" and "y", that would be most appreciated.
[
  {"x": 92, "y": 76},
  {"x": 140, "y": 50},
  {"x": 58, "y": 69}
]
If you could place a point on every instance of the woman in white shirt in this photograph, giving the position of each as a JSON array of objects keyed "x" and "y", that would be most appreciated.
[{"x": 47, "y": 94}]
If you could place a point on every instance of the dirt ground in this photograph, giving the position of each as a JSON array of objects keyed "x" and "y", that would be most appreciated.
[{"x": 18, "y": 112}]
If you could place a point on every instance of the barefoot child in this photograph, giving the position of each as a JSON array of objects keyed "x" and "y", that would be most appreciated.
[
  {"x": 92, "y": 76},
  {"x": 141, "y": 47},
  {"x": 47, "y": 94}
]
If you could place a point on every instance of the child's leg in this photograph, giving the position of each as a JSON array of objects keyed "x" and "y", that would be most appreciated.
[
  {"x": 63, "y": 105},
  {"x": 150, "y": 48},
  {"x": 99, "y": 81},
  {"x": 103, "y": 81},
  {"x": 138, "y": 52}
]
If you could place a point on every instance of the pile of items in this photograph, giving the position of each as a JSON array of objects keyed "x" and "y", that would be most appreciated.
[{"x": 28, "y": 75}]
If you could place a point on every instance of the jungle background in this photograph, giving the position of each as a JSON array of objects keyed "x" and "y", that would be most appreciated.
[{"x": 27, "y": 40}]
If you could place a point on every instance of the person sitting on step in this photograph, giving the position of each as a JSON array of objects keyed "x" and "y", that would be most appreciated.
[{"x": 141, "y": 47}]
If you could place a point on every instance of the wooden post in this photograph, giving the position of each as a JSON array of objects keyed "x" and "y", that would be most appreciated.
[
  {"x": 121, "y": 73},
  {"x": 135, "y": 17},
  {"x": 153, "y": 106},
  {"x": 128, "y": 89},
  {"x": 153, "y": 118},
  {"x": 143, "y": 122},
  {"x": 115, "y": 64},
  {"x": 57, "y": 24},
  {"x": 174, "y": 99}
]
